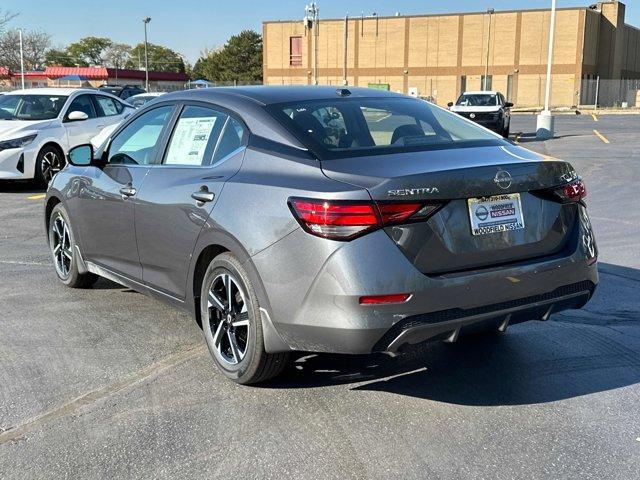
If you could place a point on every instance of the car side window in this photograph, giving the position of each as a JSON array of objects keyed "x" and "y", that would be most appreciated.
[
  {"x": 107, "y": 106},
  {"x": 195, "y": 136},
  {"x": 137, "y": 143},
  {"x": 82, "y": 103},
  {"x": 231, "y": 139}
]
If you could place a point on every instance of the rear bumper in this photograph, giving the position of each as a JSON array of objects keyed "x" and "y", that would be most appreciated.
[{"x": 315, "y": 302}]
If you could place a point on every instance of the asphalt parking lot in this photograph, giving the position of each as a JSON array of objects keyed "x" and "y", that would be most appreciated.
[{"x": 106, "y": 383}]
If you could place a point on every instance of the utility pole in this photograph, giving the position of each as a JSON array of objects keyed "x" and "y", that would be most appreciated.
[
  {"x": 486, "y": 67},
  {"x": 346, "y": 37},
  {"x": 311, "y": 18},
  {"x": 545, "y": 121},
  {"x": 146, "y": 56},
  {"x": 21, "y": 59}
]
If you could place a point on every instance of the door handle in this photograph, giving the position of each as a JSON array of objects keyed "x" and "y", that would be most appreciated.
[
  {"x": 127, "y": 191},
  {"x": 203, "y": 195}
]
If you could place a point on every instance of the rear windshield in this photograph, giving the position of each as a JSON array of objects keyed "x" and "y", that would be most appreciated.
[
  {"x": 477, "y": 100},
  {"x": 349, "y": 127}
]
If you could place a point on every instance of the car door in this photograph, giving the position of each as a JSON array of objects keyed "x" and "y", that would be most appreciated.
[
  {"x": 205, "y": 149},
  {"x": 107, "y": 200},
  {"x": 81, "y": 131},
  {"x": 109, "y": 110}
]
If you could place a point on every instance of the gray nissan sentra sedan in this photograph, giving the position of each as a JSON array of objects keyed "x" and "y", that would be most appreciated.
[{"x": 316, "y": 219}]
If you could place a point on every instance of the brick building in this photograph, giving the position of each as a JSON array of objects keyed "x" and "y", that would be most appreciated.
[{"x": 439, "y": 56}]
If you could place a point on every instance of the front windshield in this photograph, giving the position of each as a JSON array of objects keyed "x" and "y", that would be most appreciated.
[
  {"x": 348, "y": 127},
  {"x": 477, "y": 100},
  {"x": 30, "y": 107}
]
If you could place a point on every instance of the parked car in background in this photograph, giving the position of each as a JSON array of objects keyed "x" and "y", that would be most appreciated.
[
  {"x": 487, "y": 108},
  {"x": 136, "y": 101},
  {"x": 122, "y": 91},
  {"x": 37, "y": 127},
  {"x": 315, "y": 219}
]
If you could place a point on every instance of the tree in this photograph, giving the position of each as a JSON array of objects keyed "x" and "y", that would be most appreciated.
[
  {"x": 5, "y": 17},
  {"x": 239, "y": 60},
  {"x": 59, "y": 57},
  {"x": 161, "y": 59},
  {"x": 117, "y": 55},
  {"x": 89, "y": 50},
  {"x": 34, "y": 45}
]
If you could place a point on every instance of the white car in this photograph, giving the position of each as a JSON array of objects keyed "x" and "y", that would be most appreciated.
[
  {"x": 38, "y": 126},
  {"x": 140, "y": 99}
]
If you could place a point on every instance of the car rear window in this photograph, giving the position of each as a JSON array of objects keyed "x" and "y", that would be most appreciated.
[{"x": 344, "y": 127}]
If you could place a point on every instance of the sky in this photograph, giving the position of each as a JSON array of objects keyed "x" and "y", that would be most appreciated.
[{"x": 188, "y": 27}]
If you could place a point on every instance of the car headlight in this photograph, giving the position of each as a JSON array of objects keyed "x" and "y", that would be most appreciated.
[{"x": 17, "y": 142}]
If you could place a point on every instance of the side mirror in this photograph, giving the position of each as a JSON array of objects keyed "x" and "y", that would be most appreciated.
[
  {"x": 81, "y": 156},
  {"x": 77, "y": 116},
  {"x": 508, "y": 104},
  {"x": 450, "y": 104}
]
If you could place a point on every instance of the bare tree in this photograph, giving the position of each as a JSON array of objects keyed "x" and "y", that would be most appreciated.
[
  {"x": 34, "y": 44},
  {"x": 117, "y": 54},
  {"x": 5, "y": 17}
]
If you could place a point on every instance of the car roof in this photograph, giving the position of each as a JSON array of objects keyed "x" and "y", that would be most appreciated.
[
  {"x": 481, "y": 92},
  {"x": 50, "y": 91},
  {"x": 270, "y": 94},
  {"x": 147, "y": 94}
]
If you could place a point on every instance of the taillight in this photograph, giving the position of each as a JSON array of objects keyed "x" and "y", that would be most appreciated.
[
  {"x": 345, "y": 220},
  {"x": 574, "y": 191}
]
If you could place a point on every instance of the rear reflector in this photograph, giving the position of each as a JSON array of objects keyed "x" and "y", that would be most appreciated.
[
  {"x": 382, "y": 299},
  {"x": 344, "y": 220}
]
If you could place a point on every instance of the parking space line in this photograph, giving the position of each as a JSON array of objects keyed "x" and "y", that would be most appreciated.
[
  {"x": 39, "y": 196},
  {"x": 601, "y": 137},
  {"x": 595, "y": 119},
  {"x": 91, "y": 397}
]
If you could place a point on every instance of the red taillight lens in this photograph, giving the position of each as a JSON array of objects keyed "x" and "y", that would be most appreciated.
[
  {"x": 336, "y": 220},
  {"x": 574, "y": 191},
  {"x": 344, "y": 220},
  {"x": 382, "y": 299}
]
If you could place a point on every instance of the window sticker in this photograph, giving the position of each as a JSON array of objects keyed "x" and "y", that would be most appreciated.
[{"x": 189, "y": 141}]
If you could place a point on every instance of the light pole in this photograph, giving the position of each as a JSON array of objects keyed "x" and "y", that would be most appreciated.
[
  {"x": 311, "y": 18},
  {"x": 545, "y": 122},
  {"x": 486, "y": 67},
  {"x": 146, "y": 57},
  {"x": 21, "y": 59}
]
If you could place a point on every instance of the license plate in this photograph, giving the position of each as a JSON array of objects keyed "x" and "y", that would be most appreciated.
[{"x": 500, "y": 213}]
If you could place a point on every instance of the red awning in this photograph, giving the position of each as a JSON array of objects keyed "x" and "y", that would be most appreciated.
[{"x": 90, "y": 73}]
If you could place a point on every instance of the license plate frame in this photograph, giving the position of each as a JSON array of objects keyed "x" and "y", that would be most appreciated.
[{"x": 495, "y": 214}]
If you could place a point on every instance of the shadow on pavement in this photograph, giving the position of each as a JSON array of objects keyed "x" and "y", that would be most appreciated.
[
  {"x": 531, "y": 363},
  {"x": 20, "y": 186}
]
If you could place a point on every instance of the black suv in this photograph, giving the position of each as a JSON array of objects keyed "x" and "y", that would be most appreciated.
[
  {"x": 489, "y": 109},
  {"x": 122, "y": 91}
]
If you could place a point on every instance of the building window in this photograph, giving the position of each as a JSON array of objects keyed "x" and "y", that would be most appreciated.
[
  {"x": 509, "y": 88},
  {"x": 463, "y": 84},
  {"x": 485, "y": 82},
  {"x": 295, "y": 51}
]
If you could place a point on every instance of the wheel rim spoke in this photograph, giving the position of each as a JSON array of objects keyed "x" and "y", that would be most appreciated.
[{"x": 229, "y": 321}]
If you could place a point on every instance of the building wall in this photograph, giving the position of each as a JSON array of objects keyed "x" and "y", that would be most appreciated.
[{"x": 431, "y": 53}]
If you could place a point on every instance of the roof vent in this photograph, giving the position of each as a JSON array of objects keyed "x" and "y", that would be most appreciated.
[{"x": 343, "y": 92}]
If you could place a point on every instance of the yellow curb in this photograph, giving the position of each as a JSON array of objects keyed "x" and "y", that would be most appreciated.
[
  {"x": 595, "y": 119},
  {"x": 601, "y": 137},
  {"x": 40, "y": 196}
]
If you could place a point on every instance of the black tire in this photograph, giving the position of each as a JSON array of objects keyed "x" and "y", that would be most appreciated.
[
  {"x": 50, "y": 160},
  {"x": 505, "y": 131},
  {"x": 252, "y": 363},
  {"x": 64, "y": 257}
]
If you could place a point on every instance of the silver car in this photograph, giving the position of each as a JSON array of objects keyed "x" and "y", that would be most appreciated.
[{"x": 316, "y": 219}]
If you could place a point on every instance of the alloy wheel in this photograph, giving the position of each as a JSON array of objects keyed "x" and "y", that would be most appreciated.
[
  {"x": 51, "y": 164},
  {"x": 62, "y": 252},
  {"x": 228, "y": 323}
]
